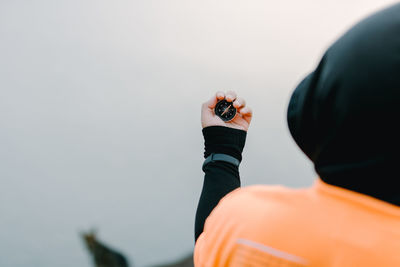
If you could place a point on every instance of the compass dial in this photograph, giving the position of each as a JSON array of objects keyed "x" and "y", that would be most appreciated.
[{"x": 225, "y": 110}]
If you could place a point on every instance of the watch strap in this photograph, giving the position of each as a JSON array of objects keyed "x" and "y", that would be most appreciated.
[{"x": 221, "y": 157}]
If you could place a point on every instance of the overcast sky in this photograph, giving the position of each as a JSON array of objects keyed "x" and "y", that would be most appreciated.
[{"x": 100, "y": 114}]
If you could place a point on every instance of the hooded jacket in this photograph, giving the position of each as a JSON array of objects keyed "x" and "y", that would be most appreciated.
[{"x": 345, "y": 114}]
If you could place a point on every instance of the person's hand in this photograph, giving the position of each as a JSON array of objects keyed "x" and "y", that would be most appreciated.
[{"x": 243, "y": 115}]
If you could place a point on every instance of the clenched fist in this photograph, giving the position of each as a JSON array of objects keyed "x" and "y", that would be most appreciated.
[{"x": 243, "y": 116}]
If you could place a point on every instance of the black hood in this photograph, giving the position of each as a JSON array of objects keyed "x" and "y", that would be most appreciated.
[{"x": 345, "y": 115}]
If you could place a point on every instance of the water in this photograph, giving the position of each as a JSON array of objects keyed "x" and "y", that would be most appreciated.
[{"x": 100, "y": 114}]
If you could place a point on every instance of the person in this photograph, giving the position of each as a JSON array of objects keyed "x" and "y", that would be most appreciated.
[{"x": 344, "y": 117}]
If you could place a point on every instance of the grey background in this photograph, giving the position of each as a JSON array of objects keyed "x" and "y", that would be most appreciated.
[{"x": 100, "y": 114}]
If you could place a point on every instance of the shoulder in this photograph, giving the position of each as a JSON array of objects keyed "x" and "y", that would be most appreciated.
[
  {"x": 259, "y": 213},
  {"x": 262, "y": 195},
  {"x": 259, "y": 204}
]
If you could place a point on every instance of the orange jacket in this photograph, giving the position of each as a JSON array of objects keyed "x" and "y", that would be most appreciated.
[{"x": 323, "y": 225}]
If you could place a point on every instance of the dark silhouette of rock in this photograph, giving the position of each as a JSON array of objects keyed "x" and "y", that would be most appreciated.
[{"x": 102, "y": 255}]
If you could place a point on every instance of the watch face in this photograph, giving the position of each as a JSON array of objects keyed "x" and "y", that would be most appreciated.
[{"x": 225, "y": 110}]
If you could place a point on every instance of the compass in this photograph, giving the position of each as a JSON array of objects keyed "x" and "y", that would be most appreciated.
[{"x": 225, "y": 110}]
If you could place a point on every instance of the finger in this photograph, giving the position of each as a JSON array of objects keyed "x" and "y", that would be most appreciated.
[
  {"x": 214, "y": 100},
  {"x": 247, "y": 114},
  {"x": 220, "y": 95},
  {"x": 230, "y": 96},
  {"x": 239, "y": 102}
]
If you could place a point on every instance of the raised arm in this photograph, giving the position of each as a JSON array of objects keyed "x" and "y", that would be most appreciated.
[{"x": 227, "y": 138}]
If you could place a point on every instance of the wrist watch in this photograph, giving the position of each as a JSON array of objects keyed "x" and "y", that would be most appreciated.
[{"x": 221, "y": 157}]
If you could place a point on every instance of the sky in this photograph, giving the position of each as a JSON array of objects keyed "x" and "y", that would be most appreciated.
[{"x": 100, "y": 114}]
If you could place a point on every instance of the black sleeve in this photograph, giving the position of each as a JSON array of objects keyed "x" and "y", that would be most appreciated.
[{"x": 220, "y": 177}]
